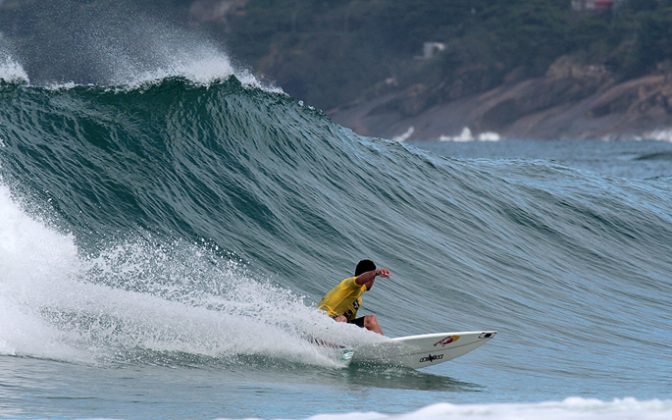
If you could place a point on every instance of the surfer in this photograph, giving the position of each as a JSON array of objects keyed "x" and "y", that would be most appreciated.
[{"x": 341, "y": 302}]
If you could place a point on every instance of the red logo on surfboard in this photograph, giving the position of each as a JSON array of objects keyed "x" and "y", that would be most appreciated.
[{"x": 445, "y": 341}]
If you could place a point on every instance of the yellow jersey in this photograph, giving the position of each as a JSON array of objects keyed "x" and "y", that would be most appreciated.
[{"x": 344, "y": 299}]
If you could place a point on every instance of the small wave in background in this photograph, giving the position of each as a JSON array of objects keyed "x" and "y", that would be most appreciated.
[{"x": 570, "y": 409}]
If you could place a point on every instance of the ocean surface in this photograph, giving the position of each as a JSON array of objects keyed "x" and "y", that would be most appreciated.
[{"x": 163, "y": 243}]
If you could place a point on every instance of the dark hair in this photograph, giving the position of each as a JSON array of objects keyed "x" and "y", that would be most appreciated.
[{"x": 364, "y": 266}]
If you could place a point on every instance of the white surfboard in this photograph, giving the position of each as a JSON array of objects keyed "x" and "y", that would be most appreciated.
[{"x": 418, "y": 351}]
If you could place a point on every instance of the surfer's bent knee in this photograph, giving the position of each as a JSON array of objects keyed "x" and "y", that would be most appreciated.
[
  {"x": 370, "y": 321},
  {"x": 371, "y": 324}
]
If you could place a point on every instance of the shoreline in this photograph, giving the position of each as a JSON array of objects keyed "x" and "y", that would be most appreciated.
[{"x": 570, "y": 101}]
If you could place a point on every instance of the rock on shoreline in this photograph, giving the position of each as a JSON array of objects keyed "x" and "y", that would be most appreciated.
[{"x": 570, "y": 101}]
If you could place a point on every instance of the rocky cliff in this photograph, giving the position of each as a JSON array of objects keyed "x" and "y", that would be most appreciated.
[{"x": 570, "y": 101}]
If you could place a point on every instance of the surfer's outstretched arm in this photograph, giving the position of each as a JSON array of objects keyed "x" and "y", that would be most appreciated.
[{"x": 369, "y": 277}]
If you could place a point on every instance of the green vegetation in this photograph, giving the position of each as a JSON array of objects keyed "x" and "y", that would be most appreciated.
[{"x": 331, "y": 52}]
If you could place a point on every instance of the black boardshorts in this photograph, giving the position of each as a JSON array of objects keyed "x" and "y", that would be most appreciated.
[{"x": 358, "y": 321}]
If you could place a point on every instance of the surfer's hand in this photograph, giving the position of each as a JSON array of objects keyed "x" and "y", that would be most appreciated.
[{"x": 384, "y": 272}]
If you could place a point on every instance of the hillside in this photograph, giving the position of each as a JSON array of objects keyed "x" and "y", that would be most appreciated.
[{"x": 522, "y": 68}]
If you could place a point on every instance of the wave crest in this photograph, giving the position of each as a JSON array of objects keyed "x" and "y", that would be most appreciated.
[{"x": 11, "y": 71}]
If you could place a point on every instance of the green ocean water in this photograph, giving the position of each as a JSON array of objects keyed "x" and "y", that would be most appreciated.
[{"x": 162, "y": 247}]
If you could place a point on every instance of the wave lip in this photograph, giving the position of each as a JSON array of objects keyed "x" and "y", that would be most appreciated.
[
  {"x": 200, "y": 71},
  {"x": 206, "y": 68}
]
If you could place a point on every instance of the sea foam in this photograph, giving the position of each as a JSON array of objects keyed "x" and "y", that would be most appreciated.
[
  {"x": 135, "y": 300},
  {"x": 658, "y": 135},
  {"x": 467, "y": 135},
  {"x": 11, "y": 71},
  {"x": 201, "y": 65},
  {"x": 573, "y": 408}
]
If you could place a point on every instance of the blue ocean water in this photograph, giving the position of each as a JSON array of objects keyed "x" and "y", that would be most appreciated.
[{"x": 163, "y": 244}]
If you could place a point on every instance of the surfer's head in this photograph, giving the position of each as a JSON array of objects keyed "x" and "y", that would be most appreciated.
[{"x": 364, "y": 266}]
